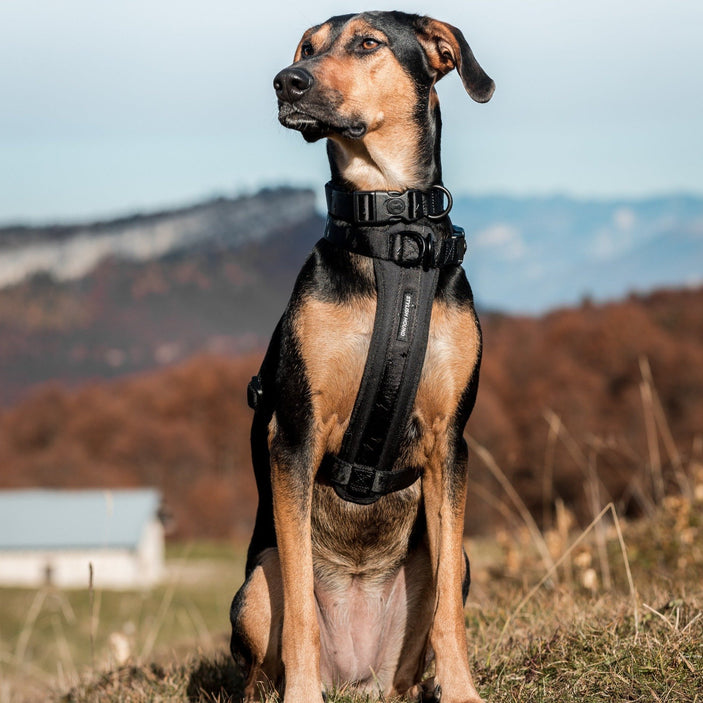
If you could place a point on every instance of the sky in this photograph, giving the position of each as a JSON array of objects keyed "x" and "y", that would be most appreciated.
[{"x": 113, "y": 106}]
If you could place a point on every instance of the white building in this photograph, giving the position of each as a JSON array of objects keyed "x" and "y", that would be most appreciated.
[{"x": 51, "y": 537}]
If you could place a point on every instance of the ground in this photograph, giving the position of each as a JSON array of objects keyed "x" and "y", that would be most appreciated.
[{"x": 610, "y": 613}]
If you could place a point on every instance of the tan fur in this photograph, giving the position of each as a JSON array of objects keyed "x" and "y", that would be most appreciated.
[
  {"x": 262, "y": 609},
  {"x": 334, "y": 343},
  {"x": 382, "y": 93},
  {"x": 317, "y": 36},
  {"x": 300, "y": 636},
  {"x": 452, "y": 350},
  {"x": 445, "y": 526},
  {"x": 440, "y": 45}
]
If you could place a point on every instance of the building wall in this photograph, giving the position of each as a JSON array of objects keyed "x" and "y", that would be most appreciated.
[
  {"x": 112, "y": 568},
  {"x": 150, "y": 553}
]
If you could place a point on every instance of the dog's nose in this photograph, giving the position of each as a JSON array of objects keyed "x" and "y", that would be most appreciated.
[{"x": 292, "y": 83}]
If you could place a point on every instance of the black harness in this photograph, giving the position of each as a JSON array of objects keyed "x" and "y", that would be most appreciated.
[{"x": 410, "y": 237}]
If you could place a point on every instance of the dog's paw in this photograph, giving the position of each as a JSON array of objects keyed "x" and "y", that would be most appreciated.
[
  {"x": 426, "y": 692},
  {"x": 432, "y": 693}
]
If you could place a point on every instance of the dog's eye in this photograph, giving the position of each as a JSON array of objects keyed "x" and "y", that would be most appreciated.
[
  {"x": 306, "y": 50},
  {"x": 369, "y": 44}
]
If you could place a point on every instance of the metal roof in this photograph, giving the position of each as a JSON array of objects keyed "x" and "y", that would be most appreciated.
[{"x": 81, "y": 519}]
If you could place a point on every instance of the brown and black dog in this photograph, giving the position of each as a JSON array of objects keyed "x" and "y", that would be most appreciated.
[{"x": 338, "y": 592}]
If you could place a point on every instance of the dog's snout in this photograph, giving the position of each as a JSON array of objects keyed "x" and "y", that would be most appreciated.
[{"x": 292, "y": 83}]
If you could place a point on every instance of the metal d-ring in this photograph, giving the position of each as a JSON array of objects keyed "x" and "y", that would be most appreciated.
[{"x": 450, "y": 202}]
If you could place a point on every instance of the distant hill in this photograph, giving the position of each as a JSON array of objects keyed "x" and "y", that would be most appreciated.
[
  {"x": 69, "y": 252},
  {"x": 528, "y": 255},
  {"x": 113, "y": 298},
  {"x": 90, "y": 301}
]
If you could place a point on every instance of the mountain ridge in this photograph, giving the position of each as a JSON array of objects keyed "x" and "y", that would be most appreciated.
[
  {"x": 73, "y": 250},
  {"x": 527, "y": 254},
  {"x": 132, "y": 294}
]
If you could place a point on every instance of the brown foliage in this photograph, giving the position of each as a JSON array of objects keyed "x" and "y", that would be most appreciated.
[
  {"x": 584, "y": 365},
  {"x": 186, "y": 429}
]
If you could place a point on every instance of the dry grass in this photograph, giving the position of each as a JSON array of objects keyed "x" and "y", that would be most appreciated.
[
  {"x": 570, "y": 640},
  {"x": 563, "y": 649}
]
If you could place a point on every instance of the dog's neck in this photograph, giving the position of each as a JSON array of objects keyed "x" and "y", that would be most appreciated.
[{"x": 390, "y": 158}]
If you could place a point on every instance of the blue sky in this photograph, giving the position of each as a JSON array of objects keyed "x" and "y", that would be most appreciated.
[{"x": 111, "y": 106}]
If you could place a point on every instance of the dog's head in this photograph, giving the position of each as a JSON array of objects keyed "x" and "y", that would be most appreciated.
[{"x": 358, "y": 74}]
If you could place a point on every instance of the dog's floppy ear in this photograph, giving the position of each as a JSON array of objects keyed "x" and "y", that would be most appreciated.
[{"x": 446, "y": 49}]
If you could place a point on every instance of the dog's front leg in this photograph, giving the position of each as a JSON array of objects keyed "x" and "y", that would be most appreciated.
[
  {"x": 444, "y": 490},
  {"x": 292, "y": 480}
]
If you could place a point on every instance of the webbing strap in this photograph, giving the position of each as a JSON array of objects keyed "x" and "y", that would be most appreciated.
[
  {"x": 364, "y": 481},
  {"x": 362, "y": 470},
  {"x": 403, "y": 244}
]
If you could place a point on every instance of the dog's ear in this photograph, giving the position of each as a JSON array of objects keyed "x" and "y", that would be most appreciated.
[{"x": 446, "y": 49}]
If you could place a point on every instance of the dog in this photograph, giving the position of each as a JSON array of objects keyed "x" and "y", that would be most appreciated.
[{"x": 338, "y": 592}]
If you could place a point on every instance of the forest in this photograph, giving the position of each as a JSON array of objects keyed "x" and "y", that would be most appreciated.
[{"x": 586, "y": 396}]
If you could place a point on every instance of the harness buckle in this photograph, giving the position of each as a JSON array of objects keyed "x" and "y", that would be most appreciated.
[
  {"x": 255, "y": 393},
  {"x": 460, "y": 239},
  {"x": 377, "y": 206},
  {"x": 361, "y": 480},
  {"x": 364, "y": 206}
]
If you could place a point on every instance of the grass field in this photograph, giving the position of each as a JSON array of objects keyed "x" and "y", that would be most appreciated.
[{"x": 612, "y": 613}]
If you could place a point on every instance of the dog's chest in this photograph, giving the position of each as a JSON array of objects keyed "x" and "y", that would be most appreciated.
[{"x": 334, "y": 340}]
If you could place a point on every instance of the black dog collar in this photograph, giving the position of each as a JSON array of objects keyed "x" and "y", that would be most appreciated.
[{"x": 377, "y": 207}]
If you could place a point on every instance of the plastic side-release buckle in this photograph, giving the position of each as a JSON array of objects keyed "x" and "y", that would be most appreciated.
[{"x": 459, "y": 240}]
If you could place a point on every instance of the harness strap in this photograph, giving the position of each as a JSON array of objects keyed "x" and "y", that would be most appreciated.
[
  {"x": 357, "y": 483},
  {"x": 401, "y": 244},
  {"x": 362, "y": 470}
]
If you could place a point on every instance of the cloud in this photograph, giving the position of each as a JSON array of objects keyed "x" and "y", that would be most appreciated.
[
  {"x": 624, "y": 219},
  {"x": 617, "y": 237},
  {"x": 505, "y": 239}
]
